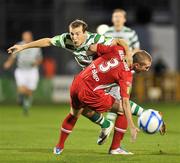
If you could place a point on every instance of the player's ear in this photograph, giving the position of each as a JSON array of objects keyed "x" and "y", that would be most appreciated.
[{"x": 136, "y": 65}]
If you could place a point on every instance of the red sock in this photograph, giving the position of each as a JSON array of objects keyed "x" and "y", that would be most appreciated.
[
  {"x": 67, "y": 126},
  {"x": 119, "y": 131}
]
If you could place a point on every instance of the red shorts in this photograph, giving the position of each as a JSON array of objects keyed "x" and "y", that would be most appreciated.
[{"x": 82, "y": 96}]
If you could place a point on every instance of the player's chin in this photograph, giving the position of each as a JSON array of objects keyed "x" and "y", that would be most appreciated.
[{"x": 76, "y": 44}]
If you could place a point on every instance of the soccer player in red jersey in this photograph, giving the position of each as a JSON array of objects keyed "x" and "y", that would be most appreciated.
[{"x": 87, "y": 90}]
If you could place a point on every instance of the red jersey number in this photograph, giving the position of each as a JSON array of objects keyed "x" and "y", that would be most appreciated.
[{"x": 106, "y": 66}]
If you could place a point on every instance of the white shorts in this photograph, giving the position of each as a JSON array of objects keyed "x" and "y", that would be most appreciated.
[
  {"x": 27, "y": 77},
  {"x": 115, "y": 92}
]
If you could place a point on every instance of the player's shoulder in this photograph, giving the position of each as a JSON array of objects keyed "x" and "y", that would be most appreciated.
[
  {"x": 66, "y": 35},
  {"x": 20, "y": 43},
  {"x": 95, "y": 37},
  {"x": 63, "y": 35},
  {"x": 118, "y": 48},
  {"x": 110, "y": 30},
  {"x": 117, "y": 51},
  {"x": 66, "y": 38},
  {"x": 59, "y": 37},
  {"x": 92, "y": 35}
]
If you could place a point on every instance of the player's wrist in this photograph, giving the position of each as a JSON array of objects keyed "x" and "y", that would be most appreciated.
[
  {"x": 132, "y": 126},
  {"x": 23, "y": 46}
]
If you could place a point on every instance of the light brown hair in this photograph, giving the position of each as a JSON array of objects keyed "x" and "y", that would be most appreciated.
[
  {"x": 141, "y": 56},
  {"x": 119, "y": 10},
  {"x": 77, "y": 23}
]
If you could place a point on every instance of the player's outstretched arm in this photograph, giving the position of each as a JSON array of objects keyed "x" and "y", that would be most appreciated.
[
  {"x": 45, "y": 42},
  {"x": 133, "y": 129}
]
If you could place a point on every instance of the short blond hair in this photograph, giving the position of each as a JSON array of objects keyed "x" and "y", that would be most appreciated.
[{"x": 141, "y": 56}]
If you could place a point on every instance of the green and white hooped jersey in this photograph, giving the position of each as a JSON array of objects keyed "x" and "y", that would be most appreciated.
[
  {"x": 80, "y": 53},
  {"x": 125, "y": 33}
]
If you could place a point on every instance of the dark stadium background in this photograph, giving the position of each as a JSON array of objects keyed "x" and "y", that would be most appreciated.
[{"x": 47, "y": 18}]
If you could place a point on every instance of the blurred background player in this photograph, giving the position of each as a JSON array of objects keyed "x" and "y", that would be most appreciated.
[
  {"x": 27, "y": 73},
  {"x": 119, "y": 30}
]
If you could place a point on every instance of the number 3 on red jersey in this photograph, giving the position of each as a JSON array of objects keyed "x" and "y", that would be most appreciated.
[{"x": 106, "y": 66}]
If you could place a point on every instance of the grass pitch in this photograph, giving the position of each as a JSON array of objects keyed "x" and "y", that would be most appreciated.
[{"x": 31, "y": 139}]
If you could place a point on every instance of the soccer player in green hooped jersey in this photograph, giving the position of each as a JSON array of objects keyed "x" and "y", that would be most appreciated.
[
  {"x": 119, "y": 30},
  {"x": 78, "y": 41}
]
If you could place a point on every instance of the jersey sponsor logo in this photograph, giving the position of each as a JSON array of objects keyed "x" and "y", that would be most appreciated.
[
  {"x": 126, "y": 66},
  {"x": 94, "y": 72},
  {"x": 106, "y": 66},
  {"x": 121, "y": 54}
]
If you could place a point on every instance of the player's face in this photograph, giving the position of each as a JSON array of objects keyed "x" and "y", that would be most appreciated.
[
  {"x": 142, "y": 67},
  {"x": 27, "y": 37},
  {"x": 77, "y": 35},
  {"x": 118, "y": 19}
]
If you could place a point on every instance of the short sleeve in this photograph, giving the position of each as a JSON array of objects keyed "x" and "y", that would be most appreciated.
[
  {"x": 59, "y": 40},
  {"x": 125, "y": 84},
  {"x": 103, "y": 40},
  {"x": 102, "y": 49}
]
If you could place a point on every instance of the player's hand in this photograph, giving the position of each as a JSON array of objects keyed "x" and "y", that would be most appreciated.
[
  {"x": 15, "y": 49},
  {"x": 129, "y": 59},
  {"x": 6, "y": 65},
  {"x": 114, "y": 42},
  {"x": 134, "y": 131},
  {"x": 93, "y": 48}
]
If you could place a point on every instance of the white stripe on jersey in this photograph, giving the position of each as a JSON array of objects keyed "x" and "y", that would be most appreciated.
[{"x": 126, "y": 33}]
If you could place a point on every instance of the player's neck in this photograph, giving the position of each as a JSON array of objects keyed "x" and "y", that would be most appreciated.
[{"x": 118, "y": 27}]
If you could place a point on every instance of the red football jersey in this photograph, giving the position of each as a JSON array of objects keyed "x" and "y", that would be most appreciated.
[{"x": 108, "y": 68}]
